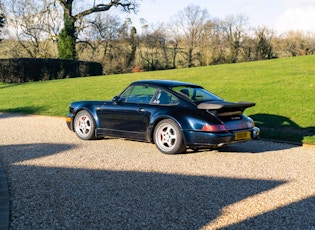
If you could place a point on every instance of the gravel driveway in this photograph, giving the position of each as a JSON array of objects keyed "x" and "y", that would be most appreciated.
[{"x": 57, "y": 181}]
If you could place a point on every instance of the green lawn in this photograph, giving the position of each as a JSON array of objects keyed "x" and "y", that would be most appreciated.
[{"x": 283, "y": 90}]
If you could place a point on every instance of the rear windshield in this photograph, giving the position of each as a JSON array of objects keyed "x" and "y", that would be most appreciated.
[{"x": 196, "y": 94}]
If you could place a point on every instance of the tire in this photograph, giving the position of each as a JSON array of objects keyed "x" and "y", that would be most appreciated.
[
  {"x": 168, "y": 137},
  {"x": 84, "y": 125}
]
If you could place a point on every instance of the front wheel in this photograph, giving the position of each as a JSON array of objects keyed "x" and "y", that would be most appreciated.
[
  {"x": 168, "y": 137},
  {"x": 84, "y": 125}
]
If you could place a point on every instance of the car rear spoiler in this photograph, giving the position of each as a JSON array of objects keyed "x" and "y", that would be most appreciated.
[{"x": 225, "y": 108}]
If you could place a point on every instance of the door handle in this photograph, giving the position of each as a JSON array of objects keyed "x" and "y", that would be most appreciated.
[{"x": 141, "y": 110}]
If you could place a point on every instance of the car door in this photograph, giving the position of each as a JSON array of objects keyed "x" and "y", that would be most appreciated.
[{"x": 129, "y": 115}]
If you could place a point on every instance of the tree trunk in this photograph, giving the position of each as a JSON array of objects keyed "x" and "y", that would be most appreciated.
[{"x": 67, "y": 39}]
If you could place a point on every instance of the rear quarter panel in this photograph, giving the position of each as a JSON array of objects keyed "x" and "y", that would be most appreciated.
[{"x": 186, "y": 117}]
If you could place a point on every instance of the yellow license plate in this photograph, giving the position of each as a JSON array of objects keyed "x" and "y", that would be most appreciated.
[{"x": 242, "y": 135}]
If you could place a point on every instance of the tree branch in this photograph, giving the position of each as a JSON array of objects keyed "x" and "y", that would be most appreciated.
[
  {"x": 129, "y": 6},
  {"x": 67, "y": 6}
]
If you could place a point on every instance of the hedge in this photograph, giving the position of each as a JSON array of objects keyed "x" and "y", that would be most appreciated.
[{"x": 19, "y": 70}]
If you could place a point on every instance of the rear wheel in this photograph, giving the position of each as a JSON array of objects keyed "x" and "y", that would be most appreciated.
[
  {"x": 84, "y": 125},
  {"x": 168, "y": 137}
]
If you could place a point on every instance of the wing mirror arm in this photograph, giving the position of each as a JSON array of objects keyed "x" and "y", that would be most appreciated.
[{"x": 116, "y": 100}]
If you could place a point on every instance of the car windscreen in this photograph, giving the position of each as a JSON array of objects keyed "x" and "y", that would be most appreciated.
[{"x": 196, "y": 94}]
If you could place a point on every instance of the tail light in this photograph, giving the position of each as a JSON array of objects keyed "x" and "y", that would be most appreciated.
[
  {"x": 226, "y": 127},
  {"x": 251, "y": 124},
  {"x": 214, "y": 128}
]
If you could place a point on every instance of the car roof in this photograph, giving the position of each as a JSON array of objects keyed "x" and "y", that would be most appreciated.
[{"x": 165, "y": 83}]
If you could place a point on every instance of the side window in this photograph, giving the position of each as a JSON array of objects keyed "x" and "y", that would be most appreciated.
[
  {"x": 140, "y": 94},
  {"x": 165, "y": 98},
  {"x": 185, "y": 91},
  {"x": 125, "y": 94},
  {"x": 200, "y": 95}
]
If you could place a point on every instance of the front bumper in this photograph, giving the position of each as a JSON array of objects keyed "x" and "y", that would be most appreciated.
[{"x": 69, "y": 121}]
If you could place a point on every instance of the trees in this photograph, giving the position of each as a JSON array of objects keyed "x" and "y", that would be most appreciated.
[
  {"x": 173, "y": 46},
  {"x": 79, "y": 29},
  {"x": 99, "y": 41},
  {"x": 191, "y": 23},
  {"x": 233, "y": 28},
  {"x": 33, "y": 27},
  {"x": 295, "y": 43},
  {"x": 110, "y": 42},
  {"x": 72, "y": 13},
  {"x": 36, "y": 22},
  {"x": 154, "y": 51},
  {"x": 263, "y": 44},
  {"x": 2, "y": 18}
]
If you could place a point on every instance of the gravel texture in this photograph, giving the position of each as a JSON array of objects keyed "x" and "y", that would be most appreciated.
[{"x": 57, "y": 181}]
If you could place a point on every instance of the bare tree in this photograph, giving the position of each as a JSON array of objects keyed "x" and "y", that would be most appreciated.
[
  {"x": 234, "y": 31},
  {"x": 263, "y": 43},
  {"x": 75, "y": 11},
  {"x": 154, "y": 51},
  {"x": 173, "y": 40},
  {"x": 2, "y": 18},
  {"x": 34, "y": 27},
  {"x": 36, "y": 22},
  {"x": 191, "y": 23},
  {"x": 295, "y": 43},
  {"x": 109, "y": 41},
  {"x": 97, "y": 41},
  {"x": 208, "y": 43},
  {"x": 218, "y": 45}
]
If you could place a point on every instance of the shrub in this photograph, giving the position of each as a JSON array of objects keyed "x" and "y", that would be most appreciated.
[
  {"x": 19, "y": 70},
  {"x": 137, "y": 69}
]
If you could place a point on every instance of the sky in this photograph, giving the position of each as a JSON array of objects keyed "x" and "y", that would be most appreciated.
[{"x": 280, "y": 15}]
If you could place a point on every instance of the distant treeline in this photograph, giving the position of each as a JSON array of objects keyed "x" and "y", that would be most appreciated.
[{"x": 191, "y": 39}]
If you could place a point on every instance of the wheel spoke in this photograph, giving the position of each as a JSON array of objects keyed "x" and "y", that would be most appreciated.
[
  {"x": 167, "y": 137},
  {"x": 84, "y": 124}
]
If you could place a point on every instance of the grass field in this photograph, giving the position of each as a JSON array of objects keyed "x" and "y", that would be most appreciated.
[{"x": 283, "y": 89}]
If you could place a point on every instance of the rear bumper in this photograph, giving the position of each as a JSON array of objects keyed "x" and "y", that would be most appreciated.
[{"x": 209, "y": 139}]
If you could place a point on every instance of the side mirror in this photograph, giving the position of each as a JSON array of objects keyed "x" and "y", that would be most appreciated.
[{"x": 116, "y": 100}]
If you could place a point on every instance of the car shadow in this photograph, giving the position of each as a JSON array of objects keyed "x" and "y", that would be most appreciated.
[
  {"x": 122, "y": 199},
  {"x": 280, "y": 127},
  {"x": 253, "y": 146},
  {"x": 257, "y": 146}
]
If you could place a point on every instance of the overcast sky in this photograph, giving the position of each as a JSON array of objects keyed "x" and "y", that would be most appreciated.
[{"x": 281, "y": 15}]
